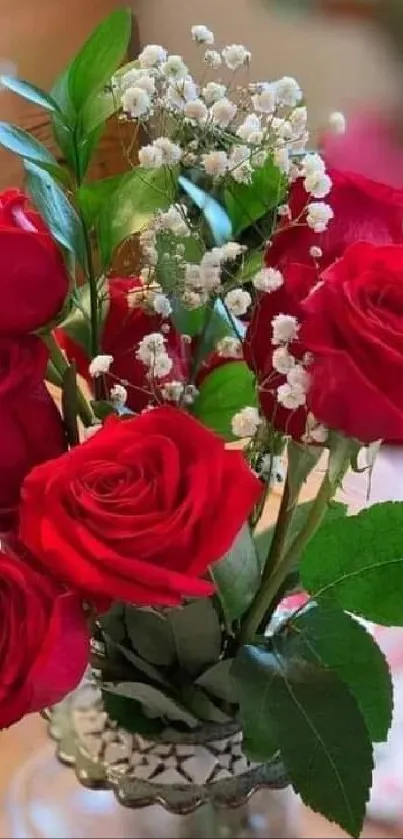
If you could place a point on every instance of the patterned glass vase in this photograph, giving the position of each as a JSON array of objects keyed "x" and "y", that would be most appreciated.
[{"x": 197, "y": 784}]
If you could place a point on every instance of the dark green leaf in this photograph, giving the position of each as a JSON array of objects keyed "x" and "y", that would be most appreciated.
[
  {"x": 237, "y": 576},
  {"x": 191, "y": 322},
  {"x": 217, "y": 680},
  {"x": 252, "y": 263},
  {"x": 202, "y": 706},
  {"x": 247, "y": 203},
  {"x": 197, "y": 635},
  {"x": 77, "y": 324},
  {"x": 222, "y": 394},
  {"x": 359, "y": 562},
  {"x": 132, "y": 205},
  {"x": 70, "y": 404},
  {"x": 98, "y": 59},
  {"x": 129, "y": 715},
  {"x": 312, "y": 716},
  {"x": 151, "y": 635},
  {"x": 154, "y": 701},
  {"x": 113, "y": 622},
  {"x": 102, "y": 408},
  {"x": 141, "y": 665},
  {"x": 19, "y": 142},
  {"x": 29, "y": 91},
  {"x": 56, "y": 210},
  {"x": 94, "y": 197},
  {"x": 338, "y": 641}
]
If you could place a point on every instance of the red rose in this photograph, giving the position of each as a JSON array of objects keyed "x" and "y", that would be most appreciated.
[
  {"x": 31, "y": 428},
  {"x": 141, "y": 510},
  {"x": 34, "y": 282},
  {"x": 44, "y": 640},
  {"x": 126, "y": 323},
  {"x": 353, "y": 323},
  {"x": 363, "y": 211}
]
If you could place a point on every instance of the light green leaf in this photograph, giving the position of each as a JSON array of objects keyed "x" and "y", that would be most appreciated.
[
  {"x": 222, "y": 394},
  {"x": 94, "y": 197},
  {"x": 154, "y": 700},
  {"x": 56, "y": 210},
  {"x": 217, "y": 680},
  {"x": 196, "y": 634},
  {"x": 363, "y": 567},
  {"x": 98, "y": 109},
  {"x": 102, "y": 409},
  {"x": 338, "y": 641},
  {"x": 247, "y": 203},
  {"x": 96, "y": 62},
  {"x": 252, "y": 263},
  {"x": 302, "y": 460},
  {"x": 237, "y": 576},
  {"x": 77, "y": 324},
  {"x": 19, "y": 142},
  {"x": 310, "y": 714},
  {"x": 29, "y": 91},
  {"x": 150, "y": 634},
  {"x": 132, "y": 206}
]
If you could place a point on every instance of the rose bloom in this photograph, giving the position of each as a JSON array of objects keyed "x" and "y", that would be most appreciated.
[
  {"x": 34, "y": 282},
  {"x": 140, "y": 510},
  {"x": 44, "y": 638},
  {"x": 125, "y": 325},
  {"x": 31, "y": 428},
  {"x": 363, "y": 210}
]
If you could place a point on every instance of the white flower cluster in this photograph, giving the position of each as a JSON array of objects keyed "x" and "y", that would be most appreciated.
[
  {"x": 203, "y": 279},
  {"x": 100, "y": 365},
  {"x": 246, "y": 422},
  {"x": 152, "y": 352},
  {"x": 292, "y": 393}
]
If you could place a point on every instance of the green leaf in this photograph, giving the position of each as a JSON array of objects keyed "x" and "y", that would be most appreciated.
[
  {"x": 102, "y": 408},
  {"x": 96, "y": 62},
  {"x": 202, "y": 706},
  {"x": 302, "y": 460},
  {"x": 154, "y": 700},
  {"x": 129, "y": 715},
  {"x": 29, "y": 91},
  {"x": 217, "y": 680},
  {"x": 312, "y": 716},
  {"x": 132, "y": 206},
  {"x": 191, "y": 322},
  {"x": 19, "y": 142},
  {"x": 140, "y": 664},
  {"x": 363, "y": 570},
  {"x": 237, "y": 576},
  {"x": 222, "y": 394},
  {"x": 97, "y": 110},
  {"x": 86, "y": 148},
  {"x": 252, "y": 263},
  {"x": 247, "y": 203},
  {"x": 150, "y": 634},
  {"x": 77, "y": 324},
  {"x": 56, "y": 210},
  {"x": 113, "y": 622},
  {"x": 197, "y": 634},
  {"x": 94, "y": 197},
  {"x": 70, "y": 404},
  {"x": 338, "y": 641}
]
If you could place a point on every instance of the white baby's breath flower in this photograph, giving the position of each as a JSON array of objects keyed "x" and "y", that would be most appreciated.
[
  {"x": 315, "y": 432},
  {"x": 192, "y": 299},
  {"x": 162, "y": 365},
  {"x": 118, "y": 395},
  {"x": 174, "y": 220},
  {"x": 213, "y": 59},
  {"x": 171, "y": 152},
  {"x": 172, "y": 391},
  {"x": 136, "y": 102},
  {"x": 231, "y": 250},
  {"x": 337, "y": 122},
  {"x": 285, "y": 329},
  {"x": 196, "y": 110},
  {"x": 149, "y": 347},
  {"x": 235, "y": 55},
  {"x": 174, "y": 68},
  {"x": 288, "y": 91},
  {"x": 162, "y": 305},
  {"x": 223, "y": 112},
  {"x": 237, "y": 301},
  {"x": 284, "y": 210},
  {"x": 312, "y": 164},
  {"x": 318, "y": 185},
  {"x": 181, "y": 93},
  {"x": 210, "y": 278},
  {"x": 251, "y": 125},
  {"x": 239, "y": 164},
  {"x": 265, "y": 101},
  {"x": 190, "y": 394},
  {"x": 229, "y": 347},
  {"x": 215, "y": 163},
  {"x": 100, "y": 365},
  {"x": 137, "y": 78},
  {"x": 281, "y": 158},
  {"x": 298, "y": 119},
  {"x": 318, "y": 216},
  {"x": 268, "y": 279},
  {"x": 213, "y": 92},
  {"x": 151, "y": 55},
  {"x": 290, "y": 397},
  {"x": 315, "y": 252},
  {"x": 246, "y": 422},
  {"x": 202, "y": 34},
  {"x": 150, "y": 157},
  {"x": 282, "y": 360},
  {"x": 298, "y": 377}
]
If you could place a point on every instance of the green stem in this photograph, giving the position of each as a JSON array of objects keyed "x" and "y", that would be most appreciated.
[
  {"x": 339, "y": 461},
  {"x": 61, "y": 364}
]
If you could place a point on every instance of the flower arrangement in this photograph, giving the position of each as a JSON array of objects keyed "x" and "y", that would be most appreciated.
[{"x": 267, "y": 309}]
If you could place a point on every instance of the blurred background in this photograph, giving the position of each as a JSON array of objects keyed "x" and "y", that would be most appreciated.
[{"x": 347, "y": 56}]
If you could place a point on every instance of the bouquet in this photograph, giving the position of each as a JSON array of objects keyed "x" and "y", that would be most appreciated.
[{"x": 262, "y": 326}]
